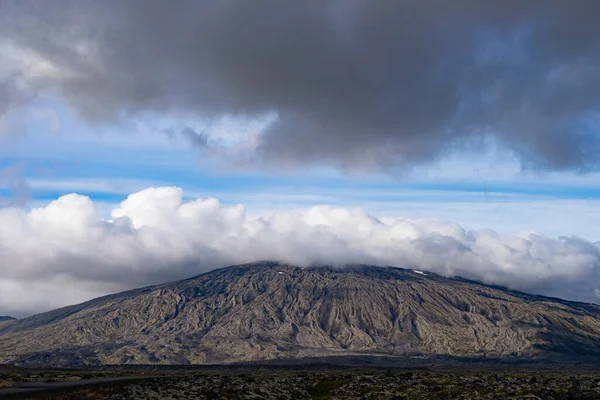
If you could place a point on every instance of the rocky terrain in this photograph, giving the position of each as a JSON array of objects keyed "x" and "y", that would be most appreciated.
[
  {"x": 268, "y": 311},
  {"x": 309, "y": 384},
  {"x": 5, "y": 318}
]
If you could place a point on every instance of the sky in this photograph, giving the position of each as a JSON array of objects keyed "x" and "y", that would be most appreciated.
[{"x": 149, "y": 141}]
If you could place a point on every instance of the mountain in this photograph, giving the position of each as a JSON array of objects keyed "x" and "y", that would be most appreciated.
[
  {"x": 6, "y": 318},
  {"x": 266, "y": 311}
]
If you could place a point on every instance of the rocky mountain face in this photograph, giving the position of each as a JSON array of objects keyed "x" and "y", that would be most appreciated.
[{"x": 269, "y": 311}]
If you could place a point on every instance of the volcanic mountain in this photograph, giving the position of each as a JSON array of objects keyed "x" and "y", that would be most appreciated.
[{"x": 267, "y": 311}]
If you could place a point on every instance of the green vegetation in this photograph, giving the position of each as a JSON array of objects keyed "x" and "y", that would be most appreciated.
[{"x": 324, "y": 387}]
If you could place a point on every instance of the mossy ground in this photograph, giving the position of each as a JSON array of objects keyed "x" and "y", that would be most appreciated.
[{"x": 265, "y": 383}]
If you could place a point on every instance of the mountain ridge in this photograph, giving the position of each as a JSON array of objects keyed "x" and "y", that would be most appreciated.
[{"x": 269, "y": 311}]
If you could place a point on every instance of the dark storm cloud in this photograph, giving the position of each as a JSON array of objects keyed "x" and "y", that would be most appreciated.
[
  {"x": 193, "y": 137},
  {"x": 12, "y": 96},
  {"x": 360, "y": 84}
]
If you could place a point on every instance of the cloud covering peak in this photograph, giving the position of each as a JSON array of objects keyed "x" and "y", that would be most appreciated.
[
  {"x": 67, "y": 252},
  {"x": 357, "y": 84}
]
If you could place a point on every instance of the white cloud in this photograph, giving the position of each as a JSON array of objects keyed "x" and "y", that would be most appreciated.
[{"x": 66, "y": 251}]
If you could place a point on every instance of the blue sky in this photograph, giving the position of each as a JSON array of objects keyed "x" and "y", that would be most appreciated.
[{"x": 56, "y": 153}]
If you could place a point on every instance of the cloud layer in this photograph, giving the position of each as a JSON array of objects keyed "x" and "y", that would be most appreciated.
[
  {"x": 66, "y": 252},
  {"x": 358, "y": 84}
]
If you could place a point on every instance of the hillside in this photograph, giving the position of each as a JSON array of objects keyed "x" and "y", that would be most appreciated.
[{"x": 269, "y": 311}]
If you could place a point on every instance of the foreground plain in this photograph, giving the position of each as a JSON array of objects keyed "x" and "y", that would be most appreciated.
[{"x": 320, "y": 383}]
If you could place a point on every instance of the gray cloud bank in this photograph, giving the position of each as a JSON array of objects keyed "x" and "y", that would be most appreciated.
[
  {"x": 358, "y": 84},
  {"x": 66, "y": 252}
]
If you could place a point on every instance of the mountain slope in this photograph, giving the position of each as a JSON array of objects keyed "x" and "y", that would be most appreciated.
[{"x": 266, "y": 311}]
